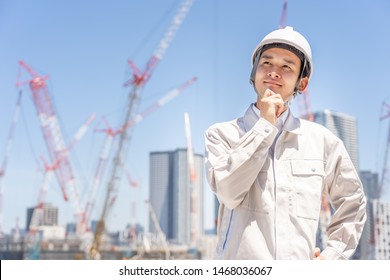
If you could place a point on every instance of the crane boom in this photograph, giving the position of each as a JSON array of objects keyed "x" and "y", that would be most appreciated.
[
  {"x": 49, "y": 169},
  {"x": 385, "y": 169},
  {"x": 190, "y": 152},
  {"x": 50, "y": 126},
  {"x": 138, "y": 82},
  {"x": 158, "y": 228},
  {"x": 282, "y": 23},
  {"x": 54, "y": 140},
  {"x": 193, "y": 177},
  {"x": 6, "y": 155},
  {"x": 161, "y": 102},
  {"x": 111, "y": 133}
]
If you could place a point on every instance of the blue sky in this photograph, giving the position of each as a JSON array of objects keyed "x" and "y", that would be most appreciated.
[{"x": 84, "y": 47}]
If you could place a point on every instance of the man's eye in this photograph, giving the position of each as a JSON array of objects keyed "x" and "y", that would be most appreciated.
[{"x": 286, "y": 67}]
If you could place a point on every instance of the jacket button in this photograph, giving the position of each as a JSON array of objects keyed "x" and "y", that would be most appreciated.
[
  {"x": 266, "y": 130},
  {"x": 313, "y": 169}
]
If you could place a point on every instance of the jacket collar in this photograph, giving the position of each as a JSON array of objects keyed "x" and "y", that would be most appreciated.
[{"x": 292, "y": 124}]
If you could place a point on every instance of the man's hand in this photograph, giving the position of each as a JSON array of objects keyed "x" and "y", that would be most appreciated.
[
  {"x": 271, "y": 106},
  {"x": 317, "y": 254}
]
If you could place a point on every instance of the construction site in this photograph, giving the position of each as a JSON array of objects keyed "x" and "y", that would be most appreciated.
[{"x": 92, "y": 200}]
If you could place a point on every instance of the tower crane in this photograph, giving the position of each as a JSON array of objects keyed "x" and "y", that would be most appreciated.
[
  {"x": 110, "y": 135},
  {"x": 104, "y": 154},
  {"x": 54, "y": 140},
  {"x": 6, "y": 156},
  {"x": 138, "y": 82},
  {"x": 49, "y": 169},
  {"x": 190, "y": 152},
  {"x": 159, "y": 230},
  {"x": 385, "y": 170},
  {"x": 33, "y": 243},
  {"x": 132, "y": 182},
  {"x": 305, "y": 106},
  {"x": 193, "y": 177}
]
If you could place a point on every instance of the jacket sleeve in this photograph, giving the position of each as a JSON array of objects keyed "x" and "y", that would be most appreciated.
[
  {"x": 233, "y": 162},
  {"x": 347, "y": 198}
]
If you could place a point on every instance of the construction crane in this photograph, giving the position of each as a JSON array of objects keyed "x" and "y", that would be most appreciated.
[
  {"x": 33, "y": 241},
  {"x": 283, "y": 17},
  {"x": 49, "y": 169},
  {"x": 138, "y": 82},
  {"x": 385, "y": 170},
  {"x": 133, "y": 184},
  {"x": 104, "y": 154},
  {"x": 160, "y": 232},
  {"x": 190, "y": 152},
  {"x": 6, "y": 156},
  {"x": 193, "y": 177},
  {"x": 54, "y": 139},
  {"x": 110, "y": 135},
  {"x": 304, "y": 104}
]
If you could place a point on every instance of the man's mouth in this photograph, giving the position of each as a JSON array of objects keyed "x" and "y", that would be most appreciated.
[{"x": 272, "y": 84}]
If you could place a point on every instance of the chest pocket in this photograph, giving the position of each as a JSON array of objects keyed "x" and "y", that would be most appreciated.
[{"x": 308, "y": 177}]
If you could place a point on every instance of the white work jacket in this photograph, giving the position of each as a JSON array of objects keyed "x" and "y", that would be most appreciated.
[{"x": 270, "y": 205}]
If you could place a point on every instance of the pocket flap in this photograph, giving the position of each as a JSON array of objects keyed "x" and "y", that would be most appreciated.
[{"x": 307, "y": 167}]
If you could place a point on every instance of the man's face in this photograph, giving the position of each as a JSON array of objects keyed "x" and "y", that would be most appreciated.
[{"x": 278, "y": 70}]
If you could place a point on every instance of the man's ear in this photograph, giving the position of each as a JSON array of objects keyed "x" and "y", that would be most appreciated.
[{"x": 303, "y": 84}]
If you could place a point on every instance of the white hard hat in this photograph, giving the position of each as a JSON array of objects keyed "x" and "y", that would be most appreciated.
[{"x": 287, "y": 36}]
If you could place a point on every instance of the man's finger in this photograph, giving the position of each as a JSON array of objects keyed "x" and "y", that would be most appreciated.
[{"x": 317, "y": 252}]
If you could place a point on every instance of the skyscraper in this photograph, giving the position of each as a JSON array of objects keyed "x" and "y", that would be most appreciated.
[
  {"x": 47, "y": 217},
  {"x": 344, "y": 127},
  {"x": 371, "y": 189},
  {"x": 170, "y": 195},
  {"x": 381, "y": 229}
]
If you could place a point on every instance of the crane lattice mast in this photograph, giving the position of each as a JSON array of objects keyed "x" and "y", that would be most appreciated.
[
  {"x": 49, "y": 169},
  {"x": 54, "y": 140},
  {"x": 138, "y": 82},
  {"x": 110, "y": 135}
]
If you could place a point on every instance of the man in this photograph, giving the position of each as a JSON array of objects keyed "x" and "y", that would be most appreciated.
[{"x": 269, "y": 169}]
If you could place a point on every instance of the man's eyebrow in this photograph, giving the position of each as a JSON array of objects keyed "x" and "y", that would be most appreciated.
[
  {"x": 289, "y": 61},
  {"x": 267, "y": 56}
]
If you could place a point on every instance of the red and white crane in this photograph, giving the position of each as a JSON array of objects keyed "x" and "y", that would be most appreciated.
[
  {"x": 49, "y": 169},
  {"x": 385, "y": 170},
  {"x": 104, "y": 154},
  {"x": 133, "y": 211},
  {"x": 194, "y": 211},
  {"x": 54, "y": 139},
  {"x": 138, "y": 81},
  {"x": 304, "y": 104},
  {"x": 110, "y": 135},
  {"x": 190, "y": 152},
  {"x": 6, "y": 156}
]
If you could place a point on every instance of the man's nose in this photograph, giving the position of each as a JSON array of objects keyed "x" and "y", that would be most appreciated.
[{"x": 273, "y": 74}]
